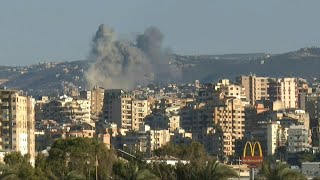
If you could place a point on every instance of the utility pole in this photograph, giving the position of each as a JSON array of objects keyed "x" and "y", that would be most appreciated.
[
  {"x": 239, "y": 167},
  {"x": 252, "y": 173},
  {"x": 96, "y": 164}
]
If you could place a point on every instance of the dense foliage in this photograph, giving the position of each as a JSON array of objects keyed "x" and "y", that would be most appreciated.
[
  {"x": 84, "y": 158},
  {"x": 279, "y": 171}
]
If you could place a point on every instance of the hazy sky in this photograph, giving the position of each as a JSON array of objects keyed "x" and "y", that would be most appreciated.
[{"x": 33, "y": 31}]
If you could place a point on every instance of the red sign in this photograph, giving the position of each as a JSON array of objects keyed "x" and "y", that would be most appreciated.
[{"x": 252, "y": 160}]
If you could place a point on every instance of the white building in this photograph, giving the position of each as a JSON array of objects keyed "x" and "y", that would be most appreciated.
[
  {"x": 272, "y": 136},
  {"x": 288, "y": 92}
]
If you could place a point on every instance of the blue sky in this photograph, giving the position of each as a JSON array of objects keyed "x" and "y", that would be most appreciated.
[{"x": 33, "y": 31}]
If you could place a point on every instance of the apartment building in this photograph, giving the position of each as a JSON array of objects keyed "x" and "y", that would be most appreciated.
[
  {"x": 196, "y": 117},
  {"x": 231, "y": 119},
  {"x": 124, "y": 110},
  {"x": 95, "y": 96},
  {"x": 236, "y": 91},
  {"x": 301, "y": 116},
  {"x": 40, "y": 103},
  {"x": 163, "y": 121},
  {"x": 284, "y": 90},
  {"x": 145, "y": 139},
  {"x": 298, "y": 139},
  {"x": 289, "y": 92},
  {"x": 180, "y": 136},
  {"x": 17, "y": 123},
  {"x": 67, "y": 109},
  {"x": 140, "y": 109},
  {"x": 273, "y": 136},
  {"x": 256, "y": 88}
]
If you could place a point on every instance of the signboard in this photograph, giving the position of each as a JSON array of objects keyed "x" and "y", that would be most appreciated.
[{"x": 252, "y": 159}]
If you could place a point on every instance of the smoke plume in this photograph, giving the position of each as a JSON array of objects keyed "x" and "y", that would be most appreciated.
[{"x": 121, "y": 64}]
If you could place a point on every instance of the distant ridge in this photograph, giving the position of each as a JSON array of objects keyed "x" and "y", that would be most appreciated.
[{"x": 54, "y": 77}]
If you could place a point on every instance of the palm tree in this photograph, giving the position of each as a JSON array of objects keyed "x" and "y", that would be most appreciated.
[
  {"x": 215, "y": 170},
  {"x": 186, "y": 172},
  {"x": 132, "y": 171},
  {"x": 146, "y": 174},
  {"x": 164, "y": 171},
  {"x": 279, "y": 171},
  {"x": 74, "y": 175},
  {"x": 212, "y": 170},
  {"x": 8, "y": 173}
]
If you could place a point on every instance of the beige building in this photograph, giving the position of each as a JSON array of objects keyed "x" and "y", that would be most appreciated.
[
  {"x": 284, "y": 90},
  {"x": 256, "y": 88},
  {"x": 124, "y": 110},
  {"x": 234, "y": 91},
  {"x": 301, "y": 116},
  {"x": 77, "y": 110},
  {"x": 66, "y": 109},
  {"x": 96, "y": 97},
  {"x": 159, "y": 138},
  {"x": 174, "y": 122},
  {"x": 231, "y": 118},
  {"x": 17, "y": 123},
  {"x": 224, "y": 113},
  {"x": 180, "y": 136},
  {"x": 289, "y": 92},
  {"x": 140, "y": 109},
  {"x": 145, "y": 139}
]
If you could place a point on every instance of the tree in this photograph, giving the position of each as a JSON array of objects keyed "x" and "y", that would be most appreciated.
[
  {"x": 42, "y": 169},
  {"x": 164, "y": 171},
  {"x": 80, "y": 155},
  {"x": 215, "y": 170},
  {"x": 132, "y": 171},
  {"x": 6, "y": 172},
  {"x": 194, "y": 152},
  {"x": 279, "y": 171},
  {"x": 17, "y": 167},
  {"x": 74, "y": 175},
  {"x": 185, "y": 172}
]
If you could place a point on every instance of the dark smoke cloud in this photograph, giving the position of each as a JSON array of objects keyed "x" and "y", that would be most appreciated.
[
  {"x": 120, "y": 64},
  {"x": 150, "y": 42}
]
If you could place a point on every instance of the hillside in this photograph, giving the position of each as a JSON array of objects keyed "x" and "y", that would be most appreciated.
[{"x": 54, "y": 77}]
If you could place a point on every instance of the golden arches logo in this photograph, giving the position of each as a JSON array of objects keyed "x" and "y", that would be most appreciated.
[
  {"x": 252, "y": 159},
  {"x": 252, "y": 148}
]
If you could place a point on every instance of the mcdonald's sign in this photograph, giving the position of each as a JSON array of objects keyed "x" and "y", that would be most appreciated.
[{"x": 252, "y": 159}]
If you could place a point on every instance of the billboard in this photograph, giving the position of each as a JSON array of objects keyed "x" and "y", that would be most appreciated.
[{"x": 253, "y": 158}]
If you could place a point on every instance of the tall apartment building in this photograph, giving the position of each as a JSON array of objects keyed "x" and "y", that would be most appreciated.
[
  {"x": 313, "y": 108},
  {"x": 231, "y": 119},
  {"x": 17, "y": 123},
  {"x": 140, "y": 110},
  {"x": 272, "y": 136},
  {"x": 289, "y": 92},
  {"x": 256, "y": 88},
  {"x": 124, "y": 110},
  {"x": 196, "y": 118}
]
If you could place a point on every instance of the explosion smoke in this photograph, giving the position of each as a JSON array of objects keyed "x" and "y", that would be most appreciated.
[{"x": 119, "y": 64}]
